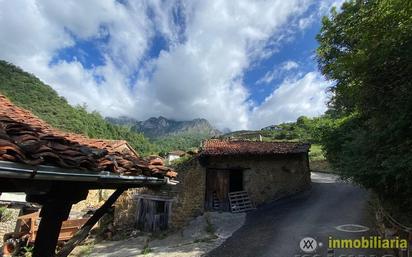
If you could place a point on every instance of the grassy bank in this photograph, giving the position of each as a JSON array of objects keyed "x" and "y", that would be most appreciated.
[{"x": 317, "y": 160}]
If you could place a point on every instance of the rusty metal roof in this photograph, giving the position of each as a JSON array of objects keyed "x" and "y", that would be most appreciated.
[
  {"x": 218, "y": 147},
  {"x": 25, "y": 138}
]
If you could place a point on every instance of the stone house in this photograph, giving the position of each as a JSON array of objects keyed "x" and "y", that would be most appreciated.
[
  {"x": 265, "y": 170},
  {"x": 174, "y": 155}
]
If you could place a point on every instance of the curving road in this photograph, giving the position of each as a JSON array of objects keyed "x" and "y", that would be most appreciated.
[{"x": 276, "y": 230}]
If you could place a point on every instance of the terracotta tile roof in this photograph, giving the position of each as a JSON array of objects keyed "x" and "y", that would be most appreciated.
[
  {"x": 27, "y": 139},
  {"x": 216, "y": 147}
]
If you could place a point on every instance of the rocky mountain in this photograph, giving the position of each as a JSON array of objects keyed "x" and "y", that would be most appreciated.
[
  {"x": 122, "y": 121},
  {"x": 162, "y": 127}
]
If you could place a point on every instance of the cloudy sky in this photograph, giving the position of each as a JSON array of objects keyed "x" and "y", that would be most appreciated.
[{"x": 240, "y": 64}]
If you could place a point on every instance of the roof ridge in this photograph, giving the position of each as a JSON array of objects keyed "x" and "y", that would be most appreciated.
[{"x": 239, "y": 147}]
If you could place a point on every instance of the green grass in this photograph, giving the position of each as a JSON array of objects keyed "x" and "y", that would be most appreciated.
[
  {"x": 208, "y": 239},
  {"x": 316, "y": 153},
  {"x": 317, "y": 160},
  {"x": 84, "y": 250},
  {"x": 146, "y": 250},
  {"x": 5, "y": 214}
]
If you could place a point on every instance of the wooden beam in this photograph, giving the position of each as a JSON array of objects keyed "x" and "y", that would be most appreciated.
[
  {"x": 52, "y": 215},
  {"x": 84, "y": 231}
]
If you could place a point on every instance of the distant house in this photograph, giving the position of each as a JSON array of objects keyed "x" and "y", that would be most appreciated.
[
  {"x": 221, "y": 174},
  {"x": 174, "y": 155}
]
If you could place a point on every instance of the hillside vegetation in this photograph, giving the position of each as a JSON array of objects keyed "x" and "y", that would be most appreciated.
[
  {"x": 27, "y": 91},
  {"x": 304, "y": 129}
]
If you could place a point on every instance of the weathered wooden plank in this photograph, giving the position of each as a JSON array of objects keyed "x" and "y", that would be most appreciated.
[{"x": 153, "y": 215}]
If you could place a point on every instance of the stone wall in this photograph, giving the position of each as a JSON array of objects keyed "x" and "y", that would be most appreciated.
[
  {"x": 190, "y": 193},
  {"x": 188, "y": 197},
  {"x": 95, "y": 199},
  {"x": 125, "y": 210},
  {"x": 267, "y": 178}
]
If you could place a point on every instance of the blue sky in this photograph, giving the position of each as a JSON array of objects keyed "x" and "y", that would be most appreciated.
[
  {"x": 300, "y": 50},
  {"x": 240, "y": 64}
]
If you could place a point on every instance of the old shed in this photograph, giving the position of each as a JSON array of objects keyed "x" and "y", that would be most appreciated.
[{"x": 263, "y": 171}]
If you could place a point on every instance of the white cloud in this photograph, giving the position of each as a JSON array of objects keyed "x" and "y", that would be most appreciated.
[
  {"x": 127, "y": 25},
  {"x": 290, "y": 65},
  {"x": 48, "y": 26},
  {"x": 326, "y": 5},
  {"x": 293, "y": 98},
  {"x": 202, "y": 76},
  {"x": 305, "y": 22},
  {"x": 27, "y": 34},
  {"x": 164, "y": 17},
  {"x": 111, "y": 96},
  {"x": 278, "y": 72},
  {"x": 211, "y": 44}
]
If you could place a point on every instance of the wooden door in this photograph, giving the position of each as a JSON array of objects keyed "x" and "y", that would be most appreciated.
[
  {"x": 217, "y": 186},
  {"x": 153, "y": 215}
]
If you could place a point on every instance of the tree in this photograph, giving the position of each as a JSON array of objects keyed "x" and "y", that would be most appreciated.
[{"x": 366, "y": 49}]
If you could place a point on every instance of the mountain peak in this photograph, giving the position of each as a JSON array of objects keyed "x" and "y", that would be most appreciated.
[
  {"x": 161, "y": 118},
  {"x": 162, "y": 126}
]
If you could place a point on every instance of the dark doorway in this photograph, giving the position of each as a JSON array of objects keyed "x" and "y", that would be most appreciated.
[
  {"x": 219, "y": 183},
  {"x": 236, "y": 181}
]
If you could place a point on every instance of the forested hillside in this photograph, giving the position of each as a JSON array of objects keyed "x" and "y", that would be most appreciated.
[
  {"x": 29, "y": 92},
  {"x": 303, "y": 129}
]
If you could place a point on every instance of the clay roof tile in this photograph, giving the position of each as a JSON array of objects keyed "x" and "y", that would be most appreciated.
[
  {"x": 26, "y": 138},
  {"x": 216, "y": 147}
]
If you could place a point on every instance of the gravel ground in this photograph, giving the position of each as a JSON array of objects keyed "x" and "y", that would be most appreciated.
[{"x": 202, "y": 235}]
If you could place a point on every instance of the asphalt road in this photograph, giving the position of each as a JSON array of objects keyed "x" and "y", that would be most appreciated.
[{"x": 276, "y": 229}]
